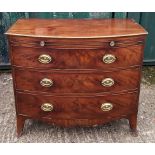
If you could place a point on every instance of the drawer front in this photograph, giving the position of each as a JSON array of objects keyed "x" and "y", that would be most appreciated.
[
  {"x": 76, "y": 82},
  {"x": 71, "y": 107},
  {"x": 76, "y": 43},
  {"x": 106, "y": 58}
]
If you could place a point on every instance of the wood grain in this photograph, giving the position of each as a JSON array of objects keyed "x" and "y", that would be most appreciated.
[
  {"x": 76, "y": 28},
  {"x": 70, "y": 107},
  {"x": 77, "y": 43},
  {"x": 76, "y": 82},
  {"x": 77, "y": 48},
  {"x": 27, "y": 57}
]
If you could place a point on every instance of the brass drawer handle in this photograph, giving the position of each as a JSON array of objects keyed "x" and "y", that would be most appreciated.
[
  {"x": 107, "y": 82},
  {"x": 109, "y": 58},
  {"x": 44, "y": 58},
  {"x": 112, "y": 44},
  {"x": 42, "y": 43},
  {"x": 47, "y": 107},
  {"x": 46, "y": 82},
  {"x": 106, "y": 106}
]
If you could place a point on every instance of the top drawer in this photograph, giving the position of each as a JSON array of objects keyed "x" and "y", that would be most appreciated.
[
  {"x": 76, "y": 54},
  {"x": 78, "y": 43}
]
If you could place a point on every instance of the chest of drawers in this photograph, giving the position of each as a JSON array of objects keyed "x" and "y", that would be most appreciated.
[{"x": 76, "y": 72}]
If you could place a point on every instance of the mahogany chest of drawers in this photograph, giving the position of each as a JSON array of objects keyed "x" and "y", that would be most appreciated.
[{"x": 76, "y": 72}]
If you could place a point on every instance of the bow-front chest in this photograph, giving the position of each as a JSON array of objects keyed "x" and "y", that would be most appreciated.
[{"x": 76, "y": 72}]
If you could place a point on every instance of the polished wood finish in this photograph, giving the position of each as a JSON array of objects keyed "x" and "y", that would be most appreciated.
[
  {"x": 76, "y": 107},
  {"x": 133, "y": 121},
  {"x": 20, "y": 124},
  {"x": 73, "y": 28},
  {"x": 76, "y": 82},
  {"x": 79, "y": 43},
  {"x": 83, "y": 58},
  {"x": 76, "y": 70}
]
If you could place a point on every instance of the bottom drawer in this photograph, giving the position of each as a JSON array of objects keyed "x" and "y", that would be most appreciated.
[{"x": 76, "y": 107}]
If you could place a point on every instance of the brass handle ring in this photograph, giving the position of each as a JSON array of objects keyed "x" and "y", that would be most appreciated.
[
  {"x": 47, "y": 107},
  {"x": 46, "y": 82},
  {"x": 109, "y": 58},
  {"x": 107, "y": 82},
  {"x": 106, "y": 106},
  {"x": 44, "y": 59}
]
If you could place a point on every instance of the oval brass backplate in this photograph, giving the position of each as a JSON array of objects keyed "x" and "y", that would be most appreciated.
[
  {"x": 44, "y": 58},
  {"x": 109, "y": 58},
  {"x": 46, "y": 82},
  {"x": 106, "y": 106},
  {"x": 107, "y": 82},
  {"x": 47, "y": 107}
]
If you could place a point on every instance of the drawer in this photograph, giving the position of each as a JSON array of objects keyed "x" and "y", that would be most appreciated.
[
  {"x": 76, "y": 43},
  {"x": 70, "y": 107},
  {"x": 76, "y": 82},
  {"x": 106, "y": 58}
]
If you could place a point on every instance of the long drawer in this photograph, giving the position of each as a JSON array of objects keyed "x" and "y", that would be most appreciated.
[
  {"x": 105, "y": 58},
  {"x": 70, "y": 107},
  {"x": 51, "y": 81}
]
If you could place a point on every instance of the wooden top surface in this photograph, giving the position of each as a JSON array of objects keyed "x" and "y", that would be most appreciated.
[{"x": 76, "y": 28}]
